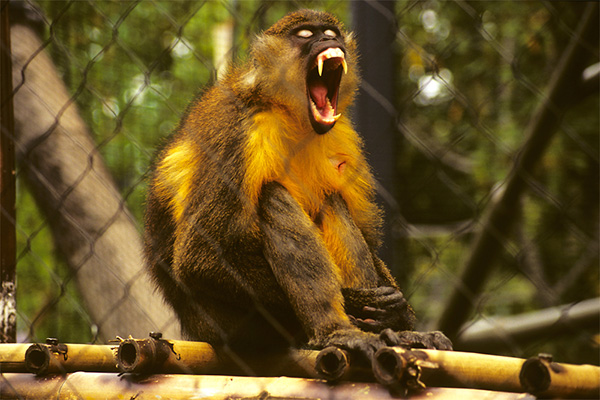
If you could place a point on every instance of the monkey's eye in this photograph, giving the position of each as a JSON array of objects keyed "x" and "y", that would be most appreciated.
[
  {"x": 304, "y": 33},
  {"x": 330, "y": 33}
]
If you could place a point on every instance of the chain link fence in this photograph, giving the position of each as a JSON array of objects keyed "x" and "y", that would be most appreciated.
[{"x": 491, "y": 217}]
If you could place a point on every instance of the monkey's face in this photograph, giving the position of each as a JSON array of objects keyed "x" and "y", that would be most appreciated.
[{"x": 310, "y": 67}]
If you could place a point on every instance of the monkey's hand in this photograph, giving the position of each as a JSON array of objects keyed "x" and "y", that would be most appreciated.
[
  {"x": 361, "y": 345},
  {"x": 375, "y": 309},
  {"x": 427, "y": 340}
]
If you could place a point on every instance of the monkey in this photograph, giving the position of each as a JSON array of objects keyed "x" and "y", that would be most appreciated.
[{"x": 261, "y": 227}]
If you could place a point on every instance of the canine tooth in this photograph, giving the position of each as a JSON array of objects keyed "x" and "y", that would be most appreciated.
[{"x": 328, "y": 54}]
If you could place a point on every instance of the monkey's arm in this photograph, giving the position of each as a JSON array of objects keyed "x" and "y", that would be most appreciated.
[{"x": 304, "y": 270}]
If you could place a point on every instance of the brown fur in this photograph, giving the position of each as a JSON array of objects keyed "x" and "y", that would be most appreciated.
[{"x": 261, "y": 233}]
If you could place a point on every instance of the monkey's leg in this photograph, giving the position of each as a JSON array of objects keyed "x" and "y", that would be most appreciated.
[
  {"x": 426, "y": 340},
  {"x": 305, "y": 271}
]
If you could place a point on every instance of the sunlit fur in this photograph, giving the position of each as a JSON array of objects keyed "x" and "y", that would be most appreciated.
[{"x": 175, "y": 177}]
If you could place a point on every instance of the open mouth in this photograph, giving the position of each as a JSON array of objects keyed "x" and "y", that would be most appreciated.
[{"x": 323, "y": 85}]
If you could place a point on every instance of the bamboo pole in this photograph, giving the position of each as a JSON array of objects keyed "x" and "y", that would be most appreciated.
[
  {"x": 12, "y": 357},
  {"x": 27, "y": 386},
  {"x": 60, "y": 358},
  {"x": 332, "y": 363},
  {"x": 544, "y": 378},
  {"x": 335, "y": 364},
  {"x": 398, "y": 366},
  {"x": 166, "y": 356},
  {"x": 157, "y": 355},
  {"x": 96, "y": 386}
]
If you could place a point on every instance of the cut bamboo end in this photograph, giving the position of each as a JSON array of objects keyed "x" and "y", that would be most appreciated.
[
  {"x": 332, "y": 363},
  {"x": 544, "y": 378},
  {"x": 166, "y": 356},
  {"x": 389, "y": 366},
  {"x": 37, "y": 359}
]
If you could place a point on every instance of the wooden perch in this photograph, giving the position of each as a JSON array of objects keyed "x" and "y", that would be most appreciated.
[{"x": 398, "y": 369}]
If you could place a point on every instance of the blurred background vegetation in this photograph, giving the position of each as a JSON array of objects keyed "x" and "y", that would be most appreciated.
[{"x": 468, "y": 77}]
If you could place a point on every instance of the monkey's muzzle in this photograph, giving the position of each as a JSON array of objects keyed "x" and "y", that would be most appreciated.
[{"x": 323, "y": 86}]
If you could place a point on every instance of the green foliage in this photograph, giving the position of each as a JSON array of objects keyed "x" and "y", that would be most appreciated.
[
  {"x": 47, "y": 303},
  {"x": 492, "y": 62}
]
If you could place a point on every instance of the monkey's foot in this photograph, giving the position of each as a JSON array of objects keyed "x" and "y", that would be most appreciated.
[
  {"x": 428, "y": 340},
  {"x": 362, "y": 345}
]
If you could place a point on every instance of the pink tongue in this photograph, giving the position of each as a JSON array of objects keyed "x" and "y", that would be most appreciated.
[{"x": 318, "y": 92}]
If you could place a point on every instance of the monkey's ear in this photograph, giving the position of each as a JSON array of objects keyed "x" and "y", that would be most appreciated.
[
  {"x": 249, "y": 78},
  {"x": 350, "y": 40}
]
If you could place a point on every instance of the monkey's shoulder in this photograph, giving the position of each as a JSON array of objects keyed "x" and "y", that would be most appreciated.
[{"x": 218, "y": 112}]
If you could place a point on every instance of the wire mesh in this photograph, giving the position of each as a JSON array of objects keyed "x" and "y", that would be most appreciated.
[{"x": 103, "y": 83}]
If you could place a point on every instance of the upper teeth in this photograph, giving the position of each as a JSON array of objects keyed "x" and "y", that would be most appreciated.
[{"x": 332, "y": 52}]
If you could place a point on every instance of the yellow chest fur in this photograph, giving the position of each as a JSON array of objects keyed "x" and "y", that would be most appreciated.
[{"x": 311, "y": 166}]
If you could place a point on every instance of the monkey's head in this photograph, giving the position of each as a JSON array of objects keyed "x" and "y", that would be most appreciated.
[{"x": 306, "y": 64}]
